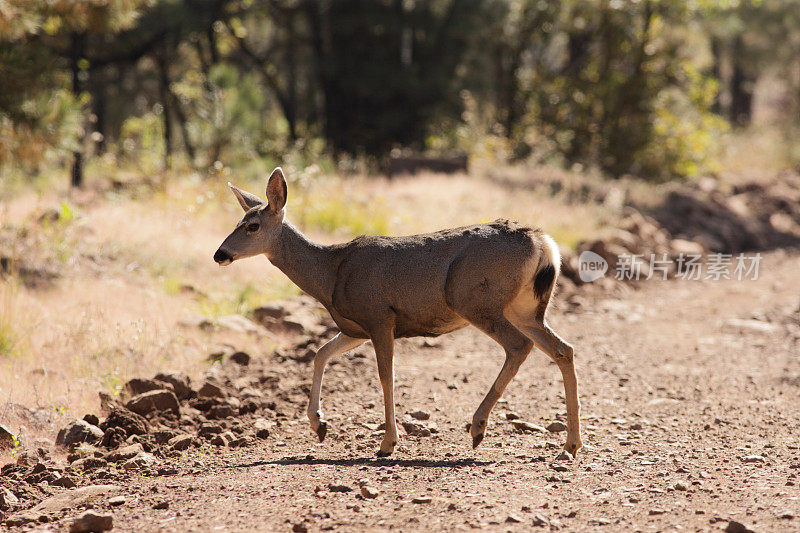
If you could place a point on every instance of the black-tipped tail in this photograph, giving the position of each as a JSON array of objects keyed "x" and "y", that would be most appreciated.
[{"x": 544, "y": 281}]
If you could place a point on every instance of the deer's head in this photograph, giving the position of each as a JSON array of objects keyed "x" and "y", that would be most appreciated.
[{"x": 258, "y": 231}]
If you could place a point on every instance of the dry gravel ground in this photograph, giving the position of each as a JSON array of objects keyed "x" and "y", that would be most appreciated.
[{"x": 691, "y": 414}]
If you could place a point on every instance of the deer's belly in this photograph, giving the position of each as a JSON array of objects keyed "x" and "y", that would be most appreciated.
[{"x": 427, "y": 326}]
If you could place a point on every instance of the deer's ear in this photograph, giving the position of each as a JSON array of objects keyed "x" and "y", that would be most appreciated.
[
  {"x": 246, "y": 200},
  {"x": 276, "y": 191}
]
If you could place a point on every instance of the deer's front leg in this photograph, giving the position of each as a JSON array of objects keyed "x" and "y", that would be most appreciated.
[
  {"x": 337, "y": 345},
  {"x": 384, "y": 352}
]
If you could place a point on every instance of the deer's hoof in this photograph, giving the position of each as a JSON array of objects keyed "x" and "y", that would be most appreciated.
[
  {"x": 573, "y": 447},
  {"x": 322, "y": 430},
  {"x": 476, "y": 439},
  {"x": 381, "y": 453}
]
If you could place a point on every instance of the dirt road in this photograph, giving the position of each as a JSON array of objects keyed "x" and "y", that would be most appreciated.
[{"x": 691, "y": 413}]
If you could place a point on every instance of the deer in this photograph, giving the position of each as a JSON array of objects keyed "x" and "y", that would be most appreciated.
[{"x": 498, "y": 277}]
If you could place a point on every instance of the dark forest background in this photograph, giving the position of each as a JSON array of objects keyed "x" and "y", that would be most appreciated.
[{"x": 641, "y": 87}]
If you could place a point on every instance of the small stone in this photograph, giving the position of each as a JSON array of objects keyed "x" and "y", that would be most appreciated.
[
  {"x": 223, "y": 439},
  {"x": 7, "y": 438},
  {"x": 527, "y": 427},
  {"x": 211, "y": 390},
  {"x": 89, "y": 463},
  {"x": 222, "y": 411},
  {"x": 514, "y": 519},
  {"x": 180, "y": 382},
  {"x": 156, "y": 400},
  {"x": 241, "y": 358},
  {"x": 262, "y": 428},
  {"x": 656, "y": 512},
  {"x": 299, "y": 528},
  {"x": 79, "y": 431},
  {"x": 116, "y": 501},
  {"x": 559, "y": 468},
  {"x": 339, "y": 488},
  {"x": 163, "y": 504},
  {"x": 540, "y": 520},
  {"x": 786, "y": 515},
  {"x": 369, "y": 492},
  {"x": 737, "y": 527},
  {"x": 130, "y": 423},
  {"x": 564, "y": 456},
  {"x": 138, "y": 386},
  {"x": 180, "y": 442},
  {"x": 556, "y": 427},
  {"x": 422, "y": 499},
  {"x": 92, "y": 521},
  {"x": 63, "y": 481},
  {"x": 512, "y": 415},
  {"x": 680, "y": 486},
  {"x": 207, "y": 429},
  {"x": 7, "y": 499},
  {"x": 123, "y": 454},
  {"x": 754, "y": 459},
  {"x": 140, "y": 461},
  {"x": 420, "y": 415},
  {"x": 91, "y": 419}
]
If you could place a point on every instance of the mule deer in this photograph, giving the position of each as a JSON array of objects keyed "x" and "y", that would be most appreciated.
[{"x": 499, "y": 277}]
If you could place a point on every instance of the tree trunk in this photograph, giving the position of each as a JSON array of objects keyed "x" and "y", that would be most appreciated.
[
  {"x": 164, "y": 96},
  {"x": 76, "y": 53},
  {"x": 741, "y": 87},
  {"x": 99, "y": 82},
  {"x": 716, "y": 72}
]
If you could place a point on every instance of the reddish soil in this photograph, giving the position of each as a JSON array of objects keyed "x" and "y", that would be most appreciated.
[{"x": 691, "y": 420}]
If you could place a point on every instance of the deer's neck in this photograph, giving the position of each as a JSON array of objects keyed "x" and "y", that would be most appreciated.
[{"x": 309, "y": 265}]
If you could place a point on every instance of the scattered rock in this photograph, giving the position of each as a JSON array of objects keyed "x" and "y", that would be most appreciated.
[
  {"x": 116, "y": 501},
  {"x": 223, "y": 439},
  {"x": 240, "y": 324},
  {"x": 211, "y": 390},
  {"x": 73, "y": 499},
  {"x": 340, "y": 488},
  {"x": 416, "y": 430},
  {"x": 209, "y": 429},
  {"x": 369, "y": 492},
  {"x": 180, "y": 442},
  {"x": 180, "y": 382},
  {"x": 64, "y": 481},
  {"x": 564, "y": 456},
  {"x": 7, "y": 438},
  {"x": 262, "y": 428},
  {"x": 7, "y": 499},
  {"x": 156, "y": 400},
  {"x": 137, "y": 386},
  {"x": 79, "y": 431},
  {"x": 420, "y": 415},
  {"x": 513, "y": 519},
  {"x": 222, "y": 410},
  {"x": 753, "y": 459},
  {"x": 123, "y": 454},
  {"x": 680, "y": 486},
  {"x": 527, "y": 427},
  {"x": 540, "y": 520},
  {"x": 656, "y": 512},
  {"x": 89, "y": 463},
  {"x": 512, "y": 415},
  {"x": 299, "y": 528},
  {"x": 737, "y": 527},
  {"x": 556, "y": 427},
  {"x": 140, "y": 461},
  {"x": 163, "y": 504},
  {"x": 241, "y": 358},
  {"x": 92, "y": 521},
  {"x": 128, "y": 421},
  {"x": 422, "y": 499}
]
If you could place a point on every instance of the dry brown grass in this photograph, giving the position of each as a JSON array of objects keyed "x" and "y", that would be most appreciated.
[{"x": 126, "y": 263}]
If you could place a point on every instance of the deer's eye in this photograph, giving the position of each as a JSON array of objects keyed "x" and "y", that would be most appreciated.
[{"x": 252, "y": 227}]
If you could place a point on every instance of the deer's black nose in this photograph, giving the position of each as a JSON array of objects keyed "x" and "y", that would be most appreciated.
[{"x": 221, "y": 256}]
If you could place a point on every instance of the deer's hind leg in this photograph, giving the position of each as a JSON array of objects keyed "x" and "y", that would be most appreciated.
[
  {"x": 337, "y": 345},
  {"x": 516, "y": 345},
  {"x": 534, "y": 326}
]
